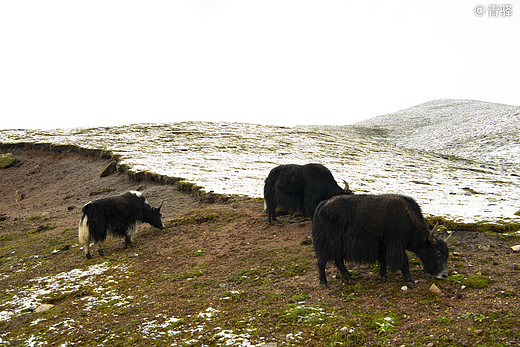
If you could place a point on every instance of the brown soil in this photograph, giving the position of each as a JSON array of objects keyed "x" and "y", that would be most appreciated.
[{"x": 233, "y": 236}]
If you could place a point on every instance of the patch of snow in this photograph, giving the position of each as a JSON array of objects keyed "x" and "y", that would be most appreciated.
[
  {"x": 229, "y": 338},
  {"x": 27, "y": 298},
  {"x": 38, "y": 320},
  {"x": 210, "y": 312},
  {"x": 149, "y": 328},
  {"x": 297, "y": 336}
]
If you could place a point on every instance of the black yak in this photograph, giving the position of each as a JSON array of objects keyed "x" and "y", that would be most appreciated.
[
  {"x": 376, "y": 228},
  {"x": 299, "y": 188},
  {"x": 118, "y": 215}
]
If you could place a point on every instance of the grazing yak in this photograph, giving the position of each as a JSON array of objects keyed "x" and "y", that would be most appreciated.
[
  {"x": 299, "y": 188},
  {"x": 118, "y": 215},
  {"x": 376, "y": 228}
]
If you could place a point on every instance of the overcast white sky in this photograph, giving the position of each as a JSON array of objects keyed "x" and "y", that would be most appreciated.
[{"x": 88, "y": 63}]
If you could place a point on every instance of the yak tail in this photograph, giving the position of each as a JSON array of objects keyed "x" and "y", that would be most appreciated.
[{"x": 84, "y": 233}]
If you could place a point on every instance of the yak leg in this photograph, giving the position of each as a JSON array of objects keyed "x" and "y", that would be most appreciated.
[
  {"x": 84, "y": 235},
  {"x": 271, "y": 214},
  {"x": 382, "y": 266},
  {"x": 306, "y": 207},
  {"x": 405, "y": 270},
  {"x": 100, "y": 250},
  {"x": 128, "y": 241},
  {"x": 345, "y": 277},
  {"x": 271, "y": 211},
  {"x": 309, "y": 205},
  {"x": 87, "y": 251},
  {"x": 132, "y": 229},
  {"x": 321, "y": 272}
]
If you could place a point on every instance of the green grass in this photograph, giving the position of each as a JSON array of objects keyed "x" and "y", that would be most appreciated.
[
  {"x": 6, "y": 160},
  {"x": 444, "y": 320},
  {"x": 494, "y": 228},
  {"x": 204, "y": 215},
  {"x": 477, "y": 317},
  {"x": 303, "y": 314},
  {"x": 472, "y": 281}
]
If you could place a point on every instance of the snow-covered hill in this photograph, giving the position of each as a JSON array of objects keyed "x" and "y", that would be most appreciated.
[
  {"x": 235, "y": 158},
  {"x": 477, "y": 130}
]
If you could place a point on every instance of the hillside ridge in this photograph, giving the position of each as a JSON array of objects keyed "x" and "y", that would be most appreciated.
[{"x": 470, "y": 129}]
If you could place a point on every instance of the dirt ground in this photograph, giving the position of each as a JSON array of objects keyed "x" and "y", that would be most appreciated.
[
  {"x": 53, "y": 182},
  {"x": 211, "y": 250}
]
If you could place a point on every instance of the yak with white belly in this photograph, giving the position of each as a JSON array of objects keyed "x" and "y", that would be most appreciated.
[
  {"x": 119, "y": 216},
  {"x": 376, "y": 228}
]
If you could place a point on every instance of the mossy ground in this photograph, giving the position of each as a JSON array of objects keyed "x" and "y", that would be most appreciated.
[
  {"x": 6, "y": 160},
  {"x": 503, "y": 227},
  {"x": 220, "y": 275}
]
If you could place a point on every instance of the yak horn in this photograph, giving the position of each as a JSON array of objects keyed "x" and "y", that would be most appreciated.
[
  {"x": 346, "y": 189},
  {"x": 448, "y": 237},
  {"x": 432, "y": 232},
  {"x": 160, "y": 205}
]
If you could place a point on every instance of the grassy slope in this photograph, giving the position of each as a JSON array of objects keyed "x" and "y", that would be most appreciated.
[
  {"x": 219, "y": 274},
  {"x": 203, "y": 281}
]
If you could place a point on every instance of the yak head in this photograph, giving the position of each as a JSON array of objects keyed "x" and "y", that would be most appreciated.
[
  {"x": 153, "y": 216},
  {"x": 435, "y": 255}
]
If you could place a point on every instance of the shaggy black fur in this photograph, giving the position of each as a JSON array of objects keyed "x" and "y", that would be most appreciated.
[
  {"x": 117, "y": 215},
  {"x": 299, "y": 188},
  {"x": 375, "y": 228}
]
